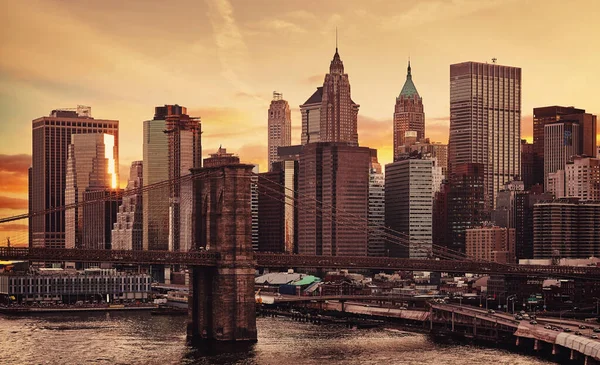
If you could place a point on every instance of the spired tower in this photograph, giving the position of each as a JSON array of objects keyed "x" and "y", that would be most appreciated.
[
  {"x": 408, "y": 114},
  {"x": 339, "y": 114}
]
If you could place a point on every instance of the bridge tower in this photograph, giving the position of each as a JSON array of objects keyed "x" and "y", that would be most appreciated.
[{"x": 222, "y": 305}]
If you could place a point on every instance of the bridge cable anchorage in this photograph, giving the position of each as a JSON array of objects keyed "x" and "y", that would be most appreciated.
[{"x": 395, "y": 234}]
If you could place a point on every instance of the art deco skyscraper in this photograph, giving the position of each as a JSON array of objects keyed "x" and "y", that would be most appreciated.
[
  {"x": 51, "y": 138},
  {"x": 485, "y": 122},
  {"x": 91, "y": 166},
  {"x": 339, "y": 114},
  {"x": 280, "y": 126},
  {"x": 408, "y": 113}
]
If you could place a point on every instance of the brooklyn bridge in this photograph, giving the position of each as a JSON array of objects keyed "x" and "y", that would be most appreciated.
[{"x": 222, "y": 262}]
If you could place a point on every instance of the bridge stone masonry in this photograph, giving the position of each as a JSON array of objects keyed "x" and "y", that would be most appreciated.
[{"x": 223, "y": 305}]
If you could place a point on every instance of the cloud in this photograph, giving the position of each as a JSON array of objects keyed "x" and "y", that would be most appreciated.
[
  {"x": 232, "y": 49},
  {"x": 269, "y": 26},
  {"x": 14, "y": 172},
  {"x": 374, "y": 132},
  {"x": 424, "y": 12},
  {"x": 315, "y": 79},
  {"x": 13, "y": 203},
  {"x": 254, "y": 154},
  {"x": 13, "y": 227}
]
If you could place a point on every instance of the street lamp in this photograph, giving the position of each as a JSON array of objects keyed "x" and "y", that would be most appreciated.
[{"x": 511, "y": 298}]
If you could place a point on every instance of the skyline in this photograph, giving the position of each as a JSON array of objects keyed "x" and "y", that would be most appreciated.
[{"x": 219, "y": 63}]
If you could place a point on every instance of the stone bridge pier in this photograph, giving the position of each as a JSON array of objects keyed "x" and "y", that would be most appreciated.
[{"x": 222, "y": 304}]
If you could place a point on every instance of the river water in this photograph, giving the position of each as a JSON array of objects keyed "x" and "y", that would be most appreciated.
[{"x": 139, "y": 338}]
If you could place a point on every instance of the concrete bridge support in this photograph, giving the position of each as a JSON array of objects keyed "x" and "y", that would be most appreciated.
[{"x": 222, "y": 305}]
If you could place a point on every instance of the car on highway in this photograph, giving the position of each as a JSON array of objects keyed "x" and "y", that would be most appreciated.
[
  {"x": 597, "y": 330},
  {"x": 579, "y": 333},
  {"x": 548, "y": 327},
  {"x": 533, "y": 322},
  {"x": 491, "y": 311},
  {"x": 567, "y": 330},
  {"x": 582, "y": 327},
  {"x": 595, "y": 337}
]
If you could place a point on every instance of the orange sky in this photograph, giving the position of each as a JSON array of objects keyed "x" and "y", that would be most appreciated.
[{"x": 224, "y": 58}]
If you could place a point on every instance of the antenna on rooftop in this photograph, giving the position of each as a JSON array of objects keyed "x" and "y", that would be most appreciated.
[{"x": 494, "y": 60}]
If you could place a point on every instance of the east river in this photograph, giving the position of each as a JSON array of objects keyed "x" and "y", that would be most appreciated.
[{"x": 139, "y": 338}]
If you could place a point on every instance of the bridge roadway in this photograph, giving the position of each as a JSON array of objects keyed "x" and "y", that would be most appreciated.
[
  {"x": 275, "y": 260},
  {"x": 583, "y": 343},
  {"x": 322, "y": 298}
]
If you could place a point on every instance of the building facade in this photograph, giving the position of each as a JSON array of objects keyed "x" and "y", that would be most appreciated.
[
  {"x": 311, "y": 117},
  {"x": 561, "y": 143},
  {"x": 528, "y": 163},
  {"x": 99, "y": 216},
  {"x": 277, "y": 209},
  {"x": 279, "y": 126},
  {"x": 333, "y": 194},
  {"x": 127, "y": 233},
  {"x": 376, "y": 215},
  {"x": 172, "y": 147},
  {"x": 465, "y": 203},
  {"x": 566, "y": 228},
  {"x": 339, "y": 114},
  {"x": 491, "y": 243},
  {"x": 485, "y": 121},
  {"x": 92, "y": 164},
  {"x": 409, "y": 206},
  {"x": 408, "y": 113},
  {"x": 51, "y": 137},
  {"x": 221, "y": 158}
]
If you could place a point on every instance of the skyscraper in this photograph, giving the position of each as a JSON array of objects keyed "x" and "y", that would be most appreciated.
[
  {"x": 465, "y": 203},
  {"x": 376, "y": 215},
  {"x": 280, "y": 126},
  {"x": 339, "y": 114},
  {"x": 528, "y": 163},
  {"x": 172, "y": 146},
  {"x": 127, "y": 233},
  {"x": 92, "y": 165},
  {"x": 409, "y": 204},
  {"x": 311, "y": 117},
  {"x": 185, "y": 153},
  {"x": 491, "y": 243},
  {"x": 485, "y": 121},
  {"x": 51, "y": 138},
  {"x": 561, "y": 143},
  {"x": 99, "y": 216},
  {"x": 553, "y": 114},
  {"x": 333, "y": 195},
  {"x": 408, "y": 113}
]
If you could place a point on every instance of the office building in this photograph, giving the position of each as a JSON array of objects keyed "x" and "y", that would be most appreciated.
[
  {"x": 432, "y": 149},
  {"x": 333, "y": 195},
  {"x": 524, "y": 207},
  {"x": 311, "y": 117},
  {"x": 279, "y": 125},
  {"x": 485, "y": 122},
  {"x": 409, "y": 205},
  {"x": 465, "y": 203},
  {"x": 51, "y": 138},
  {"x": 99, "y": 216},
  {"x": 491, "y": 243},
  {"x": 127, "y": 233},
  {"x": 172, "y": 146},
  {"x": 221, "y": 158},
  {"x": 575, "y": 235},
  {"x": 277, "y": 209},
  {"x": 92, "y": 164},
  {"x": 561, "y": 143},
  {"x": 552, "y": 114},
  {"x": 408, "y": 113},
  {"x": 580, "y": 178},
  {"x": 339, "y": 114},
  {"x": 376, "y": 214},
  {"x": 528, "y": 163}
]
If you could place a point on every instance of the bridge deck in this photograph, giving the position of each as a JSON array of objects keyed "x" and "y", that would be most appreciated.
[{"x": 275, "y": 260}]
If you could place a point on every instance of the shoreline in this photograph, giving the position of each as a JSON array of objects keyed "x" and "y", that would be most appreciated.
[{"x": 25, "y": 311}]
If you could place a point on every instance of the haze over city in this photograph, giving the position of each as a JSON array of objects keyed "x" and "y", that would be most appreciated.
[{"x": 223, "y": 59}]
